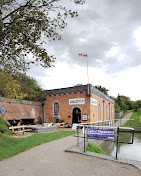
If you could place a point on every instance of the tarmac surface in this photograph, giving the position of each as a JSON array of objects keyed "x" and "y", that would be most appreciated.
[{"x": 51, "y": 159}]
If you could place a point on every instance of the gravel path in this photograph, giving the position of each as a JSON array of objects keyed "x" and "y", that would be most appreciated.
[{"x": 51, "y": 159}]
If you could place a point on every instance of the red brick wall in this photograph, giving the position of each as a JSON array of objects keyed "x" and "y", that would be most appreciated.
[
  {"x": 66, "y": 110},
  {"x": 94, "y": 109},
  {"x": 17, "y": 110}
]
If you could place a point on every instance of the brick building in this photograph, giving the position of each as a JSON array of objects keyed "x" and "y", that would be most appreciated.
[{"x": 78, "y": 104}]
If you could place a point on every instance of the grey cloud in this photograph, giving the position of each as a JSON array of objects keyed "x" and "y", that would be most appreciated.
[{"x": 101, "y": 24}]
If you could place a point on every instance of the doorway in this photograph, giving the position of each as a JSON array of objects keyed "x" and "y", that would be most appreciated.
[{"x": 76, "y": 115}]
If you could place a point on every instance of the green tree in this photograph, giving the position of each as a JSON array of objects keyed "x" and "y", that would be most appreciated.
[
  {"x": 136, "y": 105},
  {"x": 20, "y": 87},
  {"x": 24, "y": 27},
  {"x": 102, "y": 89}
]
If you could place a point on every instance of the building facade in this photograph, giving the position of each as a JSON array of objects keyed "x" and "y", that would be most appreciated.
[{"x": 78, "y": 104}]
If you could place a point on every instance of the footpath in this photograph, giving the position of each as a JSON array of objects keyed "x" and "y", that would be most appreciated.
[
  {"x": 50, "y": 159},
  {"x": 123, "y": 120}
]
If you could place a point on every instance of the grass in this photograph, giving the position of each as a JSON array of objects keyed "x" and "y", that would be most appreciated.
[
  {"x": 94, "y": 148},
  {"x": 4, "y": 127},
  {"x": 10, "y": 146},
  {"x": 136, "y": 122}
]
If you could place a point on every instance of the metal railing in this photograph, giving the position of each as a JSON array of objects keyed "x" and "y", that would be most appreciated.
[
  {"x": 85, "y": 126},
  {"x": 110, "y": 122}
]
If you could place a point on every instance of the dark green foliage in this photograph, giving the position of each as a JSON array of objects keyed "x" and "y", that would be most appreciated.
[
  {"x": 94, "y": 148},
  {"x": 4, "y": 127},
  {"x": 30, "y": 87},
  {"x": 12, "y": 146},
  {"x": 122, "y": 103},
  {"x": 102, "y": 89}
]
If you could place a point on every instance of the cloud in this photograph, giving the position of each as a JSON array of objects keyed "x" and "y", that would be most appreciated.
[{"x": 102, "y": 27}]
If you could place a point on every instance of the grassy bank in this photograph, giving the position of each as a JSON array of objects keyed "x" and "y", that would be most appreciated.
[
  {"x": 4, "y": 127},
  {"x": 94, "y": 148},
  {"x": 12, "y": 146},
  {"x": 136, "y": 122}
]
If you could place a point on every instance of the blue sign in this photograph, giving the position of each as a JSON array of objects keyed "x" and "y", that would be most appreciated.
[{"x": 103, "y": 134}]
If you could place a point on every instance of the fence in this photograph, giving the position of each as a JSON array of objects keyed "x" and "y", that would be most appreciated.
[{"x": 105, "y": 133}]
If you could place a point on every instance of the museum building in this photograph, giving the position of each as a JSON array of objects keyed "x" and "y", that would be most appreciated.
[{"x": 78, "y": 104}]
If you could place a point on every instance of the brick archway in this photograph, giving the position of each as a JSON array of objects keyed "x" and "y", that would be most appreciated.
[{"x": 76, "y": 115}]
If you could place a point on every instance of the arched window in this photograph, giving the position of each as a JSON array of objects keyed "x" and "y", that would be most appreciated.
[
  {"x": 99, "y": 112},
  {"x": 56, "y": 109}
]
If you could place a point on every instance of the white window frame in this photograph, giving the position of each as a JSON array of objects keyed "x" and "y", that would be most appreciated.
[{"x": 55, "y": 111}]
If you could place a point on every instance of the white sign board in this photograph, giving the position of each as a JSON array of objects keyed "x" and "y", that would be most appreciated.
[
  {"x": 76, "y": 101},
  {"x": 93, "y": 102},
  {"x": 74, "y": 127},
  {"x": 84, "y": 117}
]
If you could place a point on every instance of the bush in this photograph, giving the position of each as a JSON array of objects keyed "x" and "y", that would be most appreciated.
[
  {"x": 139, "y": 110},
  {"x": 94, "y": 148},
  {"x": 4, "y": 126}
]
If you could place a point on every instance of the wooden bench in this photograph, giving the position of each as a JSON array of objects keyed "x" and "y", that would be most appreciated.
[{"x": 19, "y": 129}]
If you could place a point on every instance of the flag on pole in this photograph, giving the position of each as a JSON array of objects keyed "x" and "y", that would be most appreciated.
[
  {"x": 80, "y": 54},
  {"x": 84, "y": 55}
]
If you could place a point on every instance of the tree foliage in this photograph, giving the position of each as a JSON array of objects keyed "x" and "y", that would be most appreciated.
[
  {"x": 24, "y": 27},
  {"x": 20, "y": 87},
  {"x": 102, "y": 89}
]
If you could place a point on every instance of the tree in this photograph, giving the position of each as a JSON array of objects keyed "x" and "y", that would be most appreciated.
[
  {"x": 20, "y": 87},
  {"x": 9, "y": 87},
  {"x": 102, "y": 89},
  {"x": 23, "y": 25}
]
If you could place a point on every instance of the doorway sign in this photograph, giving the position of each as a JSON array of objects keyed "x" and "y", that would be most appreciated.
[{"x": 103, "y": 134}]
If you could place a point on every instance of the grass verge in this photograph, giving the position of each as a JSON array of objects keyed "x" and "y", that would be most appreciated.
[
  {"x": 94, "y": 148},
  {"x": 136, "y": 122},
  {"x": 12, "y": 146},
  {"x": 4, "y": 127}
]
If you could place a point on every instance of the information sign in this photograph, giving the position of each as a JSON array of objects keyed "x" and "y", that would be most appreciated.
[
  {"x": 76, "y": 101},
  {"x": 93, "y": 102},
  {"x": 103, "y": 134},
  {"x": 84, "y": 117}
]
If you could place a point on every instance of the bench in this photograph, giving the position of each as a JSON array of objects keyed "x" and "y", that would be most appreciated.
[{"x": 19, "y": 129}]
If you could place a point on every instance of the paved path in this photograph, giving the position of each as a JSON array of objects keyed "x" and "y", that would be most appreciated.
[
  {"x": 123, "y": 120},
  {"x": 49, "y": 159}
]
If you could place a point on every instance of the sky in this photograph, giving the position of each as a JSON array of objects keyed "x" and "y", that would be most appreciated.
[{"x": 110, "y": 33}]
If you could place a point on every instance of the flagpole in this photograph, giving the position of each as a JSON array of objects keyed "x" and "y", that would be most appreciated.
[
  {"x": 86, "y": 55},
  {"x": 88, "y": 75}
]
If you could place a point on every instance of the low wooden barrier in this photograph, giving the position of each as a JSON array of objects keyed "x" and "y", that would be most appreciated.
[
  {"x": 19, "y": 129},
  {"x": 61, "y": 125}
]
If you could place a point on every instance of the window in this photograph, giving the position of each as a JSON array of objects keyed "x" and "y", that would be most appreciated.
[
  {"x": 106, "y": 112},
  {"x": 56, "y": 109},
  {"x": 99, "y": 112}
]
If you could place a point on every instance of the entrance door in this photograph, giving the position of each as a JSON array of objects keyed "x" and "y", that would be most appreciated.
[{"x": 76, "y": 115}]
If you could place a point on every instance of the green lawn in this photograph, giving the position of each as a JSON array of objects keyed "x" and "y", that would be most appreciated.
[
  {"x": 136, "y": 122},
  {"x": 10, "y": 146}
]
